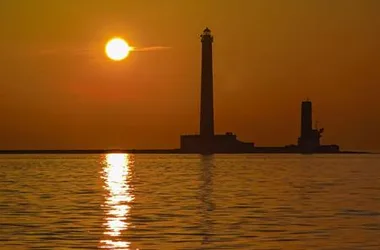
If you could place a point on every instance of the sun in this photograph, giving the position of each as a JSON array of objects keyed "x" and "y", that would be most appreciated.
[{"x": 117, "y": 49}]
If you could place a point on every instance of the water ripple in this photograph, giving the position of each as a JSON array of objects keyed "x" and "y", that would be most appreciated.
[{"x": 120, "y": 201}]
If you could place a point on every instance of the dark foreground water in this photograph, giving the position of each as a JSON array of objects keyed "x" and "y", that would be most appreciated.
[{"x": 120, "y": 201}]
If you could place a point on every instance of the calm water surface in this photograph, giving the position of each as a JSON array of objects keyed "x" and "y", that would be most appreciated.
[{"x": 120, "y": 201}]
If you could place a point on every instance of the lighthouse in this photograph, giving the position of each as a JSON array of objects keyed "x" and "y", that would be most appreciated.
[
  {"x": 206, "y": 128},
  {"x": 207, "y": 142}
]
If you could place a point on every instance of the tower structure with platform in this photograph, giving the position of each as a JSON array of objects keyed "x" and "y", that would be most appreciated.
[
  {"x": 207, "y": 142},
  {"x": 309, "y": 140}
]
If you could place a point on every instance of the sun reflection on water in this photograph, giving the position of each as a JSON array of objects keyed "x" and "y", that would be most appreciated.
[{"x": 116, "y": 175}]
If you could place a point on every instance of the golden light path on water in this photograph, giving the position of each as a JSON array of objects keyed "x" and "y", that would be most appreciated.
[{"x": 116, "y": 175}]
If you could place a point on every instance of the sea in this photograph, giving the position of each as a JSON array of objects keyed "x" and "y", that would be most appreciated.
[{"x": 128, "y": 201}]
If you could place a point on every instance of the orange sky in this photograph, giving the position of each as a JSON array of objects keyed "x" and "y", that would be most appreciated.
[{"x": 58, "y": 90}]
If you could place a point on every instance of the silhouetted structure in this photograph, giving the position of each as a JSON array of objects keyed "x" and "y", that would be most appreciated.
[
  {"x": 227, "y": 143},
  {"x": 309, "y": 141},
  {"x": 207, "y": 88},
  {"x": 207, "y": 142}
]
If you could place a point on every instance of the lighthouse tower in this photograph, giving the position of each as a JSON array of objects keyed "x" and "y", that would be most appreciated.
[
  {"x": 207, "y": 142},
  {"x": 207, "y": 95}
]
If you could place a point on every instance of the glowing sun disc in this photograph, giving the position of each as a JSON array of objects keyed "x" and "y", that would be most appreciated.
[{"x": 117, "y": 49}]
